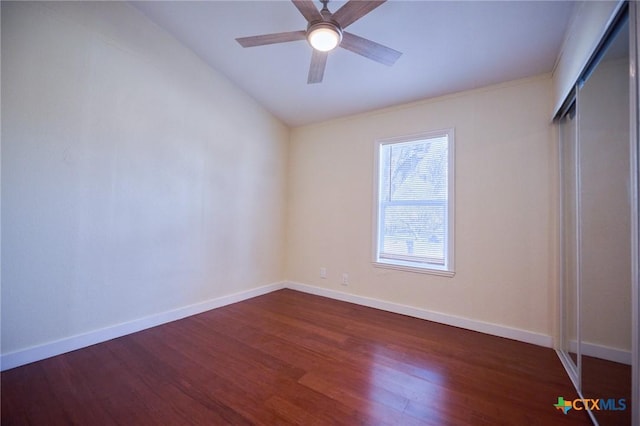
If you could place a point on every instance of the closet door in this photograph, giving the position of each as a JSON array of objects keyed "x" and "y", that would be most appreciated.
[
  {"x": 604, "y": 225},
  {"x": 569, "y": 235}
]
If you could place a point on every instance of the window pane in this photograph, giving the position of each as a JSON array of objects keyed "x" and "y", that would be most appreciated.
[
  {"x": 417, "y": 170},
  {"x": 414, "y": 230},
  {"x": 413, "y": 201}
]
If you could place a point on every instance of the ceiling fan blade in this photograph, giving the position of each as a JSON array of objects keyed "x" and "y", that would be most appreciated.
[
  {"x": 369, "y": 49},
  {"x": 318, "y": 64},
  {"x": 261, "y": 40},
  {"x": 354, "y": 10},
  {"x": 308, "y": 10}
]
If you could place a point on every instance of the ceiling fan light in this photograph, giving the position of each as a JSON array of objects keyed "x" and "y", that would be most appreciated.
[{"x": 324, "y": 37}]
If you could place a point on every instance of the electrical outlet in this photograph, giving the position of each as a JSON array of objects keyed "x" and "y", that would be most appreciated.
[
  {"x": 323, "y": 272},
  {"x": 345, "y": 279}
]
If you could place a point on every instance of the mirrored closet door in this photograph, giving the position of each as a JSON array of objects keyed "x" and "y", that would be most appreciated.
[
  {"x": 604, "y": 243},
  {"x": 596, "y": 231}
]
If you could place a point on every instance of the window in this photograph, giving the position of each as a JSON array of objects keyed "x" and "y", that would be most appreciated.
[{"x": 414, "y": 203}]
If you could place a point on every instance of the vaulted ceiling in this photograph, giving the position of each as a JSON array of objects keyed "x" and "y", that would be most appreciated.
[{"x": 447, "y": 46}]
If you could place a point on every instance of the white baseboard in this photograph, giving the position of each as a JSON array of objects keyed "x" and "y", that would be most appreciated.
[
  {"x": 603, "y": 352},
  {"x": 47, "y": 350},
  {"x": 466, "y": 323}
]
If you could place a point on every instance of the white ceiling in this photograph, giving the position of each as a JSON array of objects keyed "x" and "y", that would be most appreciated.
[{"x": 448, "y": 46}]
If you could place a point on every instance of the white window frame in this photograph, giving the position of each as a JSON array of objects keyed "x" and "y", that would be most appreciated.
[{"x": 408, "y": 264}]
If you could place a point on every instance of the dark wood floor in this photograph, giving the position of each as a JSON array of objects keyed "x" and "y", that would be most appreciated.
[
  {"x": 607, "y": 380},
  {"x": 293, "y": 358}
]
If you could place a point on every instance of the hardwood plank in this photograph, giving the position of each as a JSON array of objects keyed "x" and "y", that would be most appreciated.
[
  {"x": 607, "y": 380},
  {"x": 294, "y": 358}
]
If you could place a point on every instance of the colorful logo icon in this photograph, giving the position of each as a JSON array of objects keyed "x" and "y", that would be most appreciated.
[
  {"x": 563, "y": 405},
  {"x": 591, "y": 404}
]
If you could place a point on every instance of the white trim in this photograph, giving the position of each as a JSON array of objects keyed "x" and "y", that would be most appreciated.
[
  {"x": 607, "y": 353},
  {"x": 466, "y": 323},
  {"x": 397, "y": 266},
  {"x": 575, "y": 371},
  {"x": 47, "y": 350}
]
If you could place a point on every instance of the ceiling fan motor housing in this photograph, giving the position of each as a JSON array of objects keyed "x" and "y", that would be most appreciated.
[{"x": 324, "y": 35}]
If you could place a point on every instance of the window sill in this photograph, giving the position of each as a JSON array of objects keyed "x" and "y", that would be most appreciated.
[{"x": 409, "y": 268}]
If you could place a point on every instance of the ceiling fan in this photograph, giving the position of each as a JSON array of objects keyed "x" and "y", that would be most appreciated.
[{"x": 325, "y": 32}]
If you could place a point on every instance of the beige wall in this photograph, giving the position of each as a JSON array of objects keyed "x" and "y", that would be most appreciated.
[
  {"x": 135, "y": 179},
  {"x": 505, "y": 205}
]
